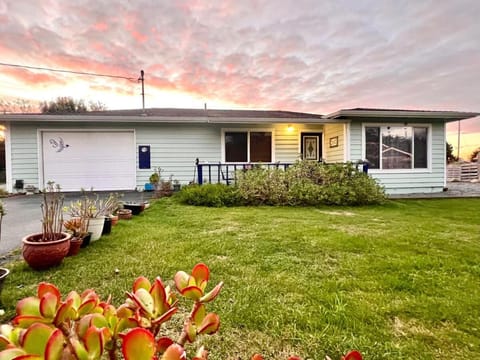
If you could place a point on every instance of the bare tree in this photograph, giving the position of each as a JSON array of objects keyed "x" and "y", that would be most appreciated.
[{"x": 16, "y": 106}]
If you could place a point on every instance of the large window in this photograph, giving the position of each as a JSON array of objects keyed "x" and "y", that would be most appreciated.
[
  {"x": 248, "y": 146},
  {"x": 396, "y": 147}
]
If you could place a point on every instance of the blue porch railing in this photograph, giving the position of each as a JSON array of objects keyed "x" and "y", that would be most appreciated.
[
  {"x": 227, "y": 173},
  {"x": 211, "y": 173}
]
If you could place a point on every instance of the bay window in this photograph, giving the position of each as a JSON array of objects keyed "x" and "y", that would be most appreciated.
[
  {"x": 248, "y": 146},
  {"x": 396, "y": 147}
]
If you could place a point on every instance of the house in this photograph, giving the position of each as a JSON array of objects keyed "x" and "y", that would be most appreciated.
[{"x": 120, "y": 149}]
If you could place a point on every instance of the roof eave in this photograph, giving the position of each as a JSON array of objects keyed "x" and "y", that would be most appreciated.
[{"x": 432, "y": 115}]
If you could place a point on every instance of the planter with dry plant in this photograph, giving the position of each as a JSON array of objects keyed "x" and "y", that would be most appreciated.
[{"x": 48, "y": 248}]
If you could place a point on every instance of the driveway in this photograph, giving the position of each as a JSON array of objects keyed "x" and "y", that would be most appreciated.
[{"x": 24, "y": 214}]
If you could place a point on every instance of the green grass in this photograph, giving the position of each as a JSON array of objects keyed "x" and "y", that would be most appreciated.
[{"x": 398, "y": 281}]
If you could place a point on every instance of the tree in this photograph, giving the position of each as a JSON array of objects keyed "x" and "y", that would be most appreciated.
[
  {"x": 16, "y": 106},
  {"x": 66, "y": 104},
  {"x": 474, "y": 155},
  {"x": 450, "y": 157}
]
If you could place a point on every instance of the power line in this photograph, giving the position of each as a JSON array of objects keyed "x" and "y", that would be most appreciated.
[{"x": 68, "y": 71}]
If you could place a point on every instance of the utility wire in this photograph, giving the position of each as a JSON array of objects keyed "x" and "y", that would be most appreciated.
[{"x": 68, "y": 71}]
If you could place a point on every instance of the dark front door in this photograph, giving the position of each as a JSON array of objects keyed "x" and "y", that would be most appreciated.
[{"x": 311, "y": 146}]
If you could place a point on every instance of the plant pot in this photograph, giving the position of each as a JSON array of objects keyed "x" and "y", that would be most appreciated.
[
  {"x": 3, "y": 275},
  {"x": 114, "y": 219},
  {"x": 41, "y": 255},
  {"x": 86, "y": 240},
  {"x": 75, "y": 244},
  {"x": 136, "y": 208},
  {"x": 95, "y": 226},
  {"x": 107, "y": 226},
  {"x": 125, "y": 214}
]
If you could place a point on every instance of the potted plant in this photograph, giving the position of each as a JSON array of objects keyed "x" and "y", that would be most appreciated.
[
  {"x": 176, "y": 185},
  {"x": 77, "y": 227},
  {"x": 89, "y": 208},
  {"x": 3, "y": 271},
  {"x": 48, "y": 248},
  {"x": 109, "y": 207}
]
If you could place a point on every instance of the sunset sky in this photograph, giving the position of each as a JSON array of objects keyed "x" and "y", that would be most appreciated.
[{"x": 314, "y": 56}]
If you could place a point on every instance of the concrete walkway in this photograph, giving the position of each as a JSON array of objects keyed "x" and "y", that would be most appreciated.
[
  {"x": 458, "y": 189},
  {"x": 24, "y": 214}
]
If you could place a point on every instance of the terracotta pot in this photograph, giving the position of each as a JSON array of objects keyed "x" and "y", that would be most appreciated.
[
  {"x": 114, "y": 219},
  {"x": 41, "y": 255},
  {"x": 125, "y": 214},
  {"x": 3, "y": 275},
  {"x": 75, "y": 243}
]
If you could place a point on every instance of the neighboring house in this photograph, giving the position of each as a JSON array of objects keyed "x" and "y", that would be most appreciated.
[{"x": 119, "y": 149}]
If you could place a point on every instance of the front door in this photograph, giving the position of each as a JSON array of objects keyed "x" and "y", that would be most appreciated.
[{"x": 311, "y": 146}]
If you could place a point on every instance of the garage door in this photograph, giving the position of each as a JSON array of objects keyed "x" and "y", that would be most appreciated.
[{"x": 102, "y": 160}]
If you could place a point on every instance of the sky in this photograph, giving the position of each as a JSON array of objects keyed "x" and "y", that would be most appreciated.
[{"x": 314, "y": 56}]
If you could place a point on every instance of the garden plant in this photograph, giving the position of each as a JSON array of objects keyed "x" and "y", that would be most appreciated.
[{"x": 83, "y": 327}]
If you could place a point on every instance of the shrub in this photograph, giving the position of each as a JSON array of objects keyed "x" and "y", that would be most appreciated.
[
  {"x": 305, "y": 183},
  {"x": 213, "y": 195},
  {"x": 308, "y": 183}
]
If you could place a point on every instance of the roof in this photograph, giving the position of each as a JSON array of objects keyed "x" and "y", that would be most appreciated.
[
  {"x": 389, "y": 114},
  {"x": 174, "y": 115}
]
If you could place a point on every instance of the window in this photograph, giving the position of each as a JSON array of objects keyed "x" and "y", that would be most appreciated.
[
  {"x": 396, "y": 147},
  {"x": 248, "y": 146}
]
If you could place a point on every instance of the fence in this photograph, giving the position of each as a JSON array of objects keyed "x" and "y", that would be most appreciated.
[
  {"x": 226, "y": 173},
  {"x": 463, "y": 172}
]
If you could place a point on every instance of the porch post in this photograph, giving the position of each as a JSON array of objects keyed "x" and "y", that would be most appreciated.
[{"x": 199, "y": 171}]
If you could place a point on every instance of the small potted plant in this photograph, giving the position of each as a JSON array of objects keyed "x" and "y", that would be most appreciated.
[
  {"x": 176, "y": 185},
  {"x": 48, "y": 248},
  {"x": 76, "y": 227},
  {"x": 91, "y": 209}
]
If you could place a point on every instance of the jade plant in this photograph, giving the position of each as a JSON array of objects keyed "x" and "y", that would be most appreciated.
[{"x": 84, "y": 327}]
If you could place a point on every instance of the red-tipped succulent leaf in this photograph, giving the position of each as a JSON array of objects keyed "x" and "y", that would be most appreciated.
[
  {"x": 174, "y": 352},
  {"x": 353, "y": 355},
  {"x": 138, "y": 344}
]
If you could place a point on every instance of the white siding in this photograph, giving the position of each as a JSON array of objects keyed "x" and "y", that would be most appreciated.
[
  {"x": 24, "y": 155},
  {"x": 174, "y": 149},
  {"x": 418, "y": 181}
]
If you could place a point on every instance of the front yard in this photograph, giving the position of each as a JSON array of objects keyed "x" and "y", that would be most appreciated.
[{"x": 398, "y": 281}]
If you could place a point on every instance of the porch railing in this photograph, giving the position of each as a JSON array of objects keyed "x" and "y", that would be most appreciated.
[
  {"x": 227, "y": 173},
  {"x": 214, "y": 173}
]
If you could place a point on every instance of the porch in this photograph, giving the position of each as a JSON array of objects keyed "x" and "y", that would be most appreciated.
[{"x": 226, "y": 173}]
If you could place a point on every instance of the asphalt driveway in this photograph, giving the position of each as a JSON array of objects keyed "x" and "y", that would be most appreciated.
[{"x": 24, "y": 215}]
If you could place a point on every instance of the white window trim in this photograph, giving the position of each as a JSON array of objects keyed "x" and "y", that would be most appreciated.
[
  {"x": 247, "y": 130},
  {"x": 428, "y": 169}
]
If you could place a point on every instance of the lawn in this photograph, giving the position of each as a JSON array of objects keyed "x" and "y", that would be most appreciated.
[{"x": 397, "y": 281}]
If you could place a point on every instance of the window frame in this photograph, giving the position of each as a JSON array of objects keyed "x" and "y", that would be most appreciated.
[
  {"x": 248, "y": 131},
  {"x": 428, "y": 169}
]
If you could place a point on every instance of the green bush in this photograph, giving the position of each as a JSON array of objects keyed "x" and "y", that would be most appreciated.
[
  {"x": 308, "y": 183},
  {"x": 212, "y": 195},
  {"x": 305, "y": 183}
]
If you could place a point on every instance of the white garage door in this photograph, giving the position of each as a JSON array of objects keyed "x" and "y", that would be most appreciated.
[{"x": 102, "y": 160}]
